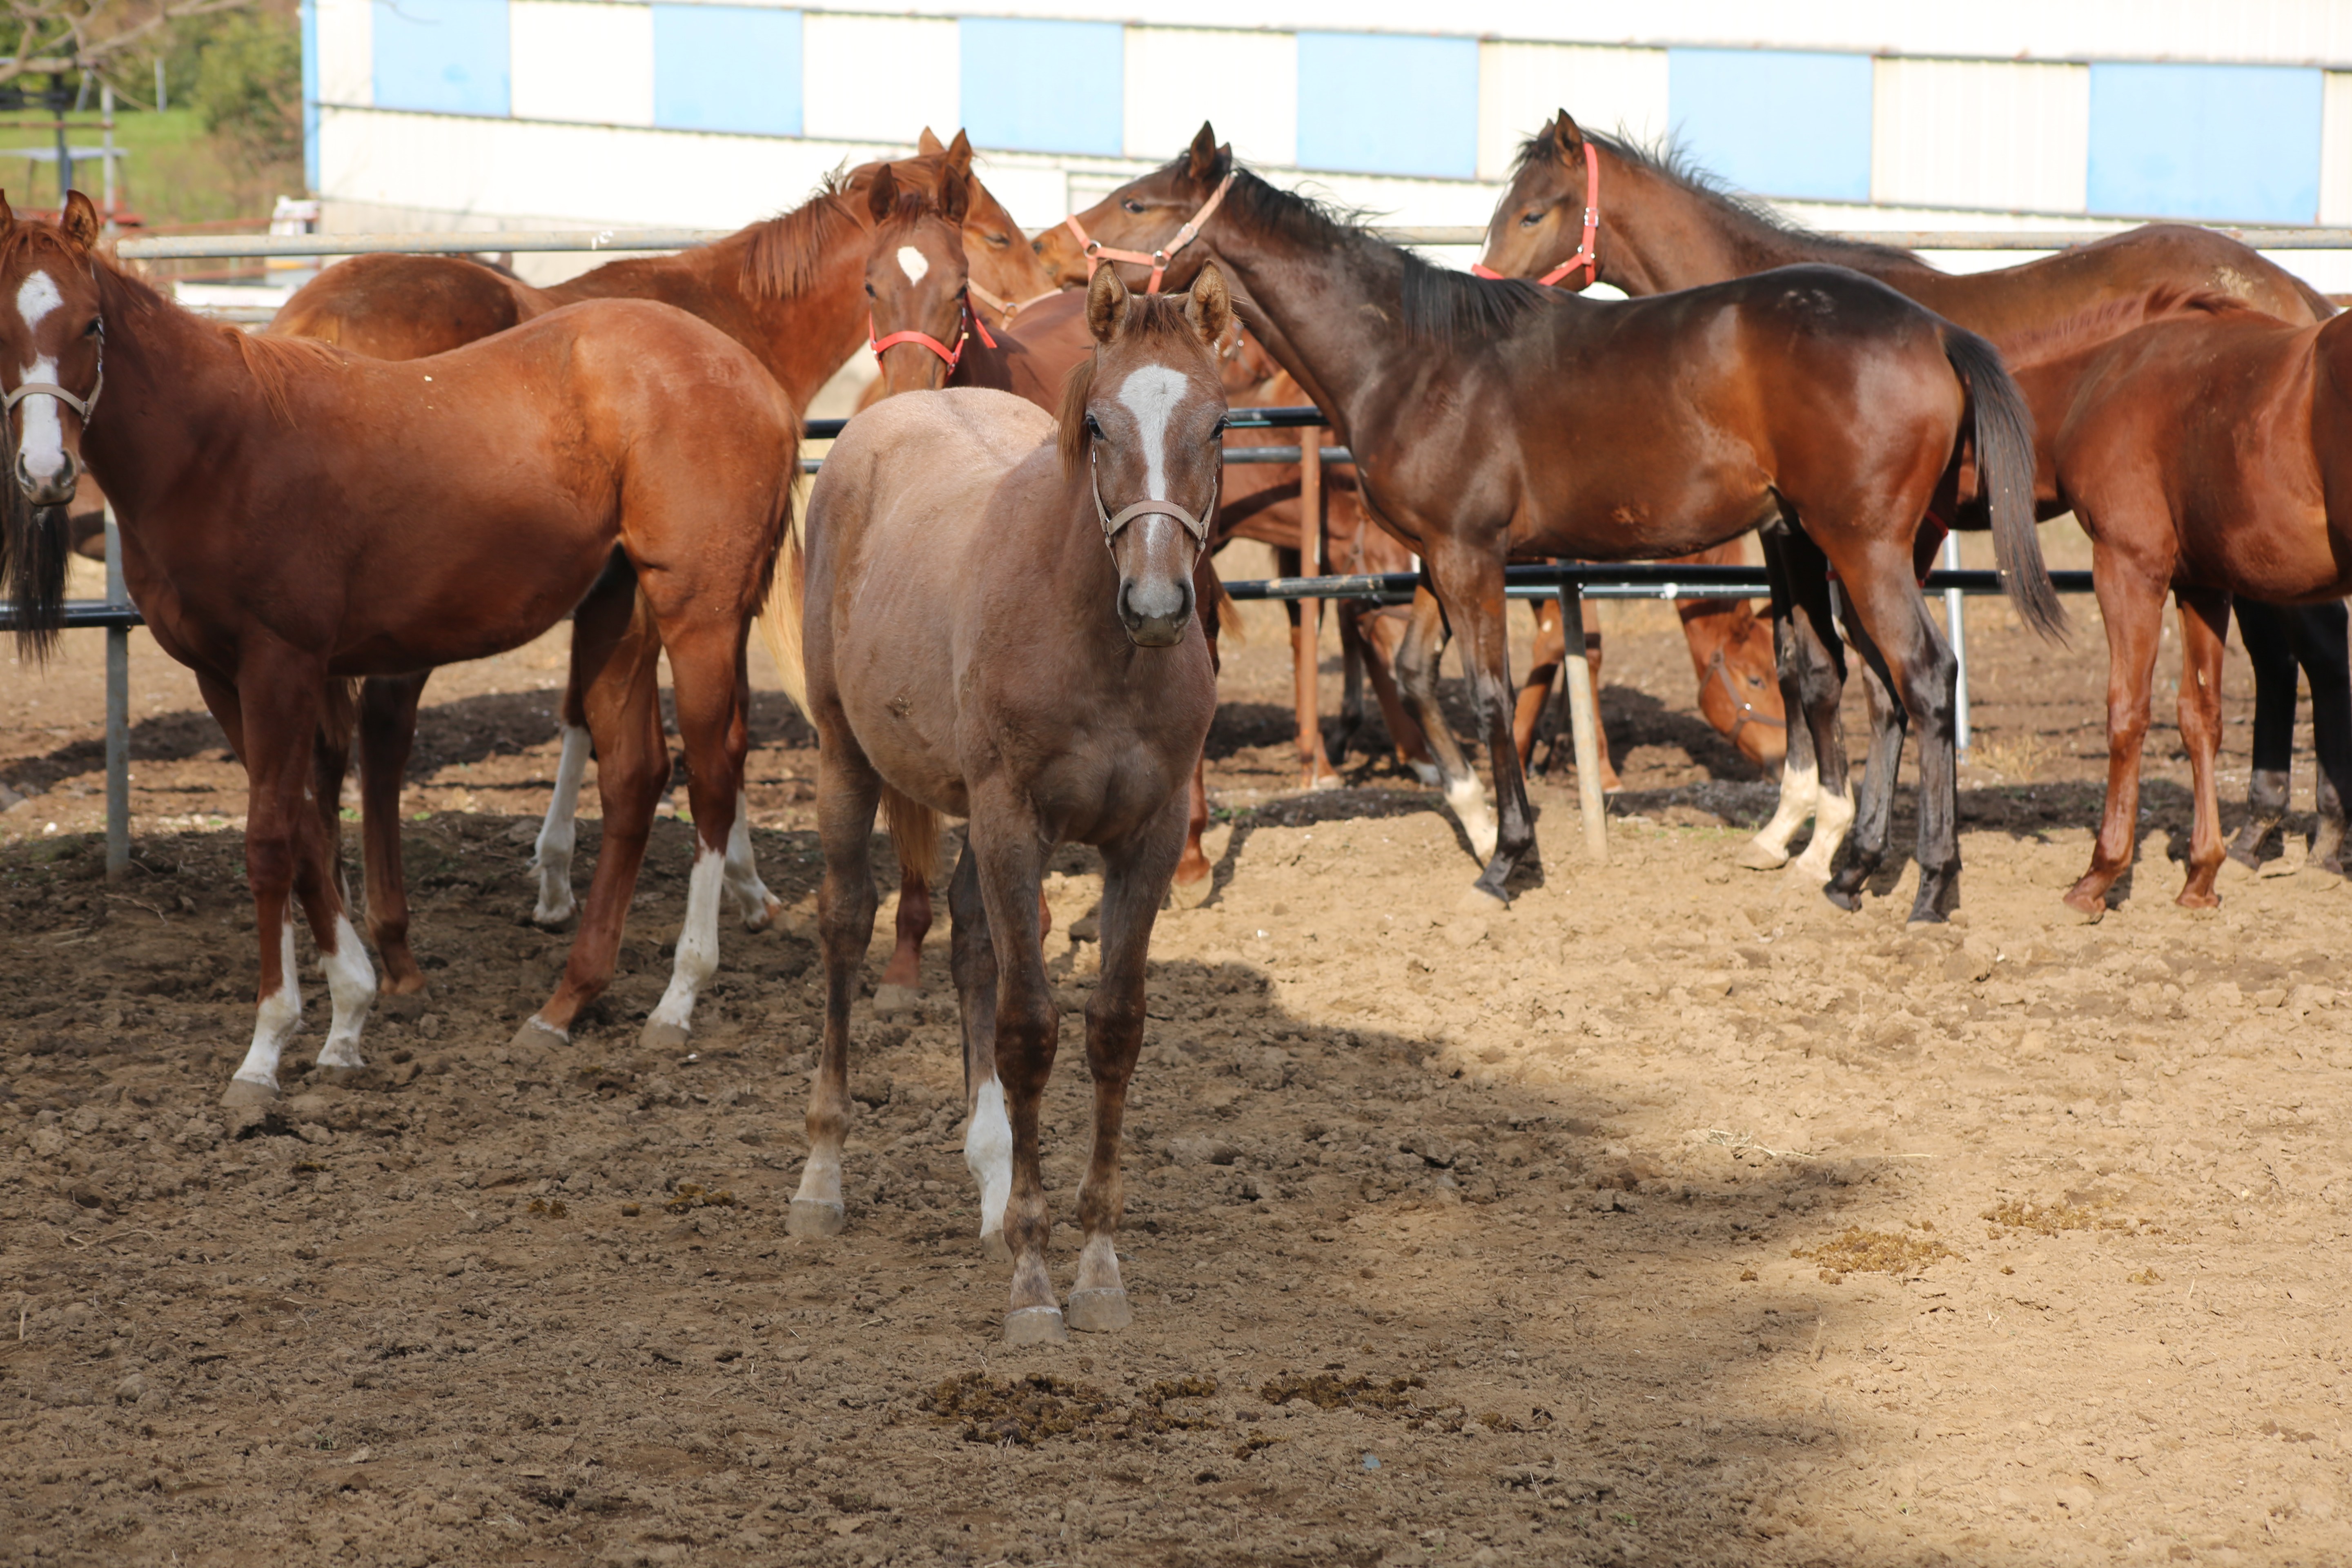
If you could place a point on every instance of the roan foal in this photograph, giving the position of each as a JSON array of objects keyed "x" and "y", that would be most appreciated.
[{"x": 998, "y": 625}]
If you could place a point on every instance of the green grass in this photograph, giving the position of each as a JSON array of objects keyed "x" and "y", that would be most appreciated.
[{"x": 175, "y": 174}]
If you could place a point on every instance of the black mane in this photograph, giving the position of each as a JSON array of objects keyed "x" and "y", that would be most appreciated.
[
  {"x": 1440, "y": 305},
  {"x": 1671, "y": 161}
]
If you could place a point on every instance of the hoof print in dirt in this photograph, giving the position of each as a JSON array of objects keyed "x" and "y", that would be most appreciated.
[
  {"x": 1035, "y": 1326},
  {"x": 1099, "y": 1311},
  {"x": 809, "y": 1218}
]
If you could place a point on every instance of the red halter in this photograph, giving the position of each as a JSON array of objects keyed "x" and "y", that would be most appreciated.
[
  {"x": 950, "y": 355},
  {"x": 1158, "y": 260},
  {"x": 1586, "y": 257}
]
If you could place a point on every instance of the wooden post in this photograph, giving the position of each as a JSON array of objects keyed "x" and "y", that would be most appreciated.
[
  {"x": 1584, "y": 720},
  {"x": 1314, "y": 766}
]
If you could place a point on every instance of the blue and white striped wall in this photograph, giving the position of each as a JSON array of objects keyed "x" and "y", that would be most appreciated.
[{"x": 687, "y": 112}]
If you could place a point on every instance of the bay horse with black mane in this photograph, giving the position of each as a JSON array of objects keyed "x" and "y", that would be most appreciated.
[
  {"x": 294, "y": 517},
  {"x": 997, "y": 623},
  {"x": 1494, "y": 418},
  {"x": 1649, "y": 222}
]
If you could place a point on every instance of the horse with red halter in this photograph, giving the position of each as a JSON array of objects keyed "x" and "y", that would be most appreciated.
[
  {"x": 1649, "y": 222},
  {"x": 971, "y": 645},
  {"x": 1489, "y": 419},
  {"x": 798, "y": 292},
  {"x": 475, "y": 497},
  {"x": 2248, "y": 491}
]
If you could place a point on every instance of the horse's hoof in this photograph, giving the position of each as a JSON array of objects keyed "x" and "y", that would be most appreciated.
[
  {"x": 1035, "y": 1326},
  {"x": 1477, "y": 900},
  {"x": 993, "y": 1247},
  {"x": 660, "y": 1035},
  {"x": 1757, "y": 856},
  {"x": 889, "y": 999},
  {"x": 2198, "y": 902},
  {"x": 2090, "y": 909},
  {"x": 1191, "y": 895},
  {"x": 1925, "y": 919},
  {"x": 243, "y": 1091},
  {"x": 770, "y": 910},
  {"x": 536, "y": 1034},
  {"x": 1847, "y": 899},
  {"x": 1099, "y": 1311},
  {"x": 807, "y": 1217},
  {"x": 405, "y": 1005},
  {"x": 546, "y": 919}
]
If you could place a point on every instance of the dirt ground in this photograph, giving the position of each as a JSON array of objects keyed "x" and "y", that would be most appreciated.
[{"x": 1673, "y": 1216}]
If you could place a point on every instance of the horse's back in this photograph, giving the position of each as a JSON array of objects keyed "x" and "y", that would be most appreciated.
[{"x": 404, "y": 307}]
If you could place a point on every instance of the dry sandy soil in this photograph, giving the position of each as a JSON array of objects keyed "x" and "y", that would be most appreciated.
[{"x": 1673, "y": 1216}]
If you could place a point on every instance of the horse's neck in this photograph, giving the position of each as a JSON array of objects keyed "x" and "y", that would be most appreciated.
[
  {"x": 1329, "y": 317},
  {"x": 802, "y": 340},
  {"x": 1659, "y": 235},
  {"x": 178, "y": 394}
]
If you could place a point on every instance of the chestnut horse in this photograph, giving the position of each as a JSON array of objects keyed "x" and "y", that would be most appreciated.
[
  {"x": 1494, "y": 418},
  {"x": 1649, "y": 222},
  {"x": 969, "y": 644},
  {"x": 2249, "y": 490},
  {"x": 793, "y": 290},
  {"x": 476, "y": 496}
]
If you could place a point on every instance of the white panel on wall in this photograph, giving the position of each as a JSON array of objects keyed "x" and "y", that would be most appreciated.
[
  {"x": 879, "y": 79},
  {"x": 346, "y": 51},
  {"x": 1521, "y": 86},
  {"x": 2336, "y": 151},
  {"x": 583, "y": 62},
  {"x": 1246, "y": 84},
  {"x": 1981, "y": 133}
]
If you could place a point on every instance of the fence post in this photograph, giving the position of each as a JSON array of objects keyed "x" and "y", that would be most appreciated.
[
  {"x": 1583, "y": 718},
  {"x": 1312, "y": 763},
  {"x": 118, "y": 714},
  {"x": 1956, "y": 627}
]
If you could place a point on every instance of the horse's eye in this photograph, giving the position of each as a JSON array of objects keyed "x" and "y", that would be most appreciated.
[
  {"x": 1094, "y": 429},
  {"x": 1132, "y": 205},
  {"x": 94, "y": 328},
  {"x": 869, "y": 290},
  {"x": 1531, "y": 217},
  {"x": 1002, "y": 242}
]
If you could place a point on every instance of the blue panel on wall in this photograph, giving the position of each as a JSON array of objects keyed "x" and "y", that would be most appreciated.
[
  {"x": 727, "y": 67},
  {"x": 1043, "y": 87},
  {"x": 311, "y": 94},
  {"x": 1383, "y": 103},
  {"x": 446, "y": 55},
  {"x": 1777, "y": 122},
  {"x": 2214, "y": 141}
]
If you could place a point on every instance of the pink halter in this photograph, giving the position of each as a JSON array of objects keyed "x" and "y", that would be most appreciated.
[
  {"x": 950, "y": 355},
  {"x": 1157, "y": 260},
  {"x": 1586, "y": 256}
]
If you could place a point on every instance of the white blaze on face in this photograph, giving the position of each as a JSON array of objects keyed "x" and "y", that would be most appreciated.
[
  {"x": 913, "y": 263},
  {"x": 1151, "y": 394},
  {"x": 44, "y": 445},
  {"x": 988, "y": 1152}
]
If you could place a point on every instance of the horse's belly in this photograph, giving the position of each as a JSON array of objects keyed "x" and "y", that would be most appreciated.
[{"x": 2269, "y": 557}]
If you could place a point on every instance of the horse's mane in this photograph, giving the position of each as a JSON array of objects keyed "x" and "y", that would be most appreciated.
[
  {"x": 1440, "y": 305},
  {"x": 781, "y": 254},
  {"x": 2113, "y": 318},
  {"x": 1671, "y": 161},
  {"x": 1150, "y": 318}
]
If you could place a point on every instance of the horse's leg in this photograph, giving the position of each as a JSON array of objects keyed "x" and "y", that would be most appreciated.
[
  {"x": 1880, "y": 583},
  {"x": 971, "y": 959},
  {"x": 1535, "y": 691},
  {"x": 1192, "y": 867},
  {"x": 620, "y": 700},
  {"x": 1380, "y": 642},
  {"x": 1608, "y": 779},
  {"x": 1315, "y": 770},
  {"x": 703, "y": 661},
  {"x": 2204, "y": 634},
  {"x": 755, "y": 906},
  {"x": 848, "y": 793},
  {"x": 1813, "y": 683},
  {"x": 1135, "y": 874},
  {"x": 2267, "y": 631},
  {"x": 1001, "y": 1145},
  {"x": 1796, "y": 654},
  {"x": 1351, "y": 681},
  {"x": 1875, "y": 808},
  {"x": 319, "y": 884},
  {"x": 2131, "y": 586},
  {"x": 2321, "y": 639},
  {"x": 1470, "y": 579},
  {"x": 904, "y": 972},
  {"x": 599, "y": 623},
  {"x": 1416, "y": 671},
  {"x": 387, "y": 730}
]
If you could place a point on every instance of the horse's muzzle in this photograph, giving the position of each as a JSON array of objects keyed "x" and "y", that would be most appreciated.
[
  {"x": 52, "y": 489},
  {"x": 1156, "y": 613}
]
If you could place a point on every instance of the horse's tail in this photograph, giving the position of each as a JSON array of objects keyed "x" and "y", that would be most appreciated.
[
  {"x": 915, "y": 829},
  {"x": 780, "y": 617},
  {"x": 2004, "y": 438},
  {"x": 34, "y": 545}
]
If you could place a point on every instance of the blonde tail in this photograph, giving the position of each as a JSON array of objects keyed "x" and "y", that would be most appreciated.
[
  {"x": 915, "y": 829},
  {"x": 780, "y": 619}
]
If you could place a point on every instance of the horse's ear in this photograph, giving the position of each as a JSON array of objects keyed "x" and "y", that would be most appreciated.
[
  {"x": 7, "y": 213},
  {"x": 882, "y": 195},
  {"x": 1209, "y": 161},
  {"x": 955, "y": 195},
  {"x": 80, "y": 221},
  {"x": 1567, "y": 137},
  {"x": 1209, "y": 307},
  {"x": 927, "y": 144},
  {"x": 1106, "y": 304},
  {"x": 959, "y": 151}
]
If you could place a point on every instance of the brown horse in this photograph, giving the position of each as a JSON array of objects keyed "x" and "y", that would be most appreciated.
[
  {"x": 1489, "y": 419},
  {"x": 1649, "y": 222},
  {"x": 2248, "y": 491},
  {"x": 475, "y": 497},
  {"x": 971, "y": 645},
  {"x": 793, "y": 290}
]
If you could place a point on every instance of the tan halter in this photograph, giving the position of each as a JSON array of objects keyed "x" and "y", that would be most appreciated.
[{"x": 1196, "y": 527}]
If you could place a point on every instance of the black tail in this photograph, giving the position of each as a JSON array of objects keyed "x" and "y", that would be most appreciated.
[
  {"x": 2005, "y": 478},
  {"x": 34, "y": 545}
]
